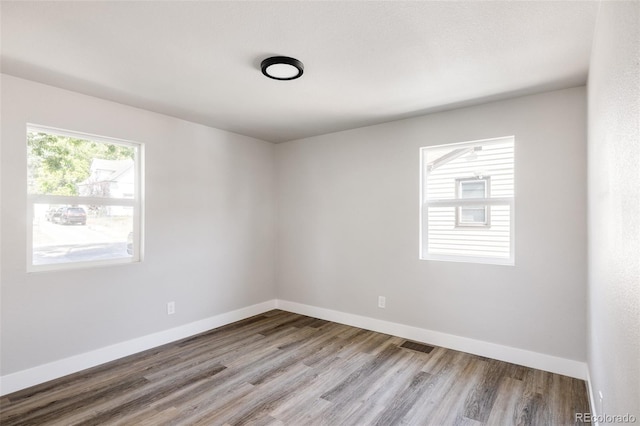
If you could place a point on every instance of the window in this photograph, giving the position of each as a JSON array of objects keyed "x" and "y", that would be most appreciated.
[
  {"x": 84, "y": 199},
  {"x": 467, "y": 202},
  {"x": 472, "y": 215}
]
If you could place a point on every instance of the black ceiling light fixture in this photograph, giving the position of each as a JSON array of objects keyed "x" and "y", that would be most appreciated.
[{"x": 282, "y": 68}]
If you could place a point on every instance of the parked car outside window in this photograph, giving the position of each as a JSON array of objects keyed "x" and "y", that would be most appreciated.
[{"x": 69, "y": 216}]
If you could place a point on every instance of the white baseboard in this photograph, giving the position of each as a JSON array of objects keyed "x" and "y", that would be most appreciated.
[
  {"x": 592, "y": 399},
  {"x": 550, "y": 363},
  {"x": 56, "y": 369}
]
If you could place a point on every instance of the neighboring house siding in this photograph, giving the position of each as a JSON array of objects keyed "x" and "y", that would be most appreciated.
[{"x": 111, "y": 179}]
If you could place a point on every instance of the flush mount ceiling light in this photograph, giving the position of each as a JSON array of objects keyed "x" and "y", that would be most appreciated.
[{"x": 282, "y": 68}]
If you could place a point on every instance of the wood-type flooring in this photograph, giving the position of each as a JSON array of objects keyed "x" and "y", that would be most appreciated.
[{"x": 280, "y": 368}]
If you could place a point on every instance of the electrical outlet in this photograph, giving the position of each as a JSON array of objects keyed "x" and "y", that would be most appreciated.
[
  {"x": 382, "y": 302},
  {"x": 171, "y": 308}
]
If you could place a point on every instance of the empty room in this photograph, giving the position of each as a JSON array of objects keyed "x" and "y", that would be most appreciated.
[{"x": 320, "y": 212}]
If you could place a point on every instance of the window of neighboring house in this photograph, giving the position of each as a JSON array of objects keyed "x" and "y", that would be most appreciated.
[
  {"x": 472, "y": 188},
  {"x": 84, "y": 199},
  {"x": 467, "y": 202}
]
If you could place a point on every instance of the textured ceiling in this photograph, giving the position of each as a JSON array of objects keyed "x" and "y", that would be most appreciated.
[{"x": 365, "y": 62}]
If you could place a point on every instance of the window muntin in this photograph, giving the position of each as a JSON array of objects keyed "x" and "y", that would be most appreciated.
[
  {"x": 467, "y": 201},
  {"x": 84, "y": 199}
]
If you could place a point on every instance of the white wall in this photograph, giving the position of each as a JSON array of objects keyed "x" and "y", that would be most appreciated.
[
  {"x": 347, "y": 229},
  {"x": 348, "y": 226},
  {"x": 209, "y": 231},
  {"x": 614, "y": 210}
]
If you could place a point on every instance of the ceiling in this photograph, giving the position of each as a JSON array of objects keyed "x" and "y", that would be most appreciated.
[{"x": 365, "y": 62}]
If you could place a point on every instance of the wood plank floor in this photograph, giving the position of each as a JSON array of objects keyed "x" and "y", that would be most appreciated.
[{"x": 281, "y": 368}]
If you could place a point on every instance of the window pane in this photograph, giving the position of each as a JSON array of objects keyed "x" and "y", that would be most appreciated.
[
  {"x": 69, "y": 234},
  {"x": 444, "y": 166},
  {"x": 62, "y": 165},
  {"x": 473, "y": 189},
  {"x": 473, "y": 215},
  {"x": 445, "y": 238}
]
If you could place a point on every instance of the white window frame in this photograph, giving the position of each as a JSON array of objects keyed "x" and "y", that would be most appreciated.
[
  {"x": 136, "y": 202},
  {"x": 425, "y": 203}
]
